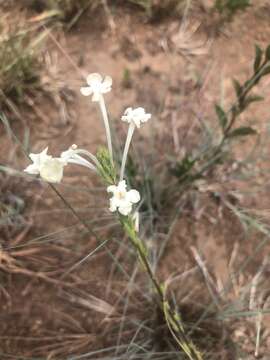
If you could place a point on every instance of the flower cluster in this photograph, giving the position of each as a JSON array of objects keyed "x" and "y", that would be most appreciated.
[
  {"x": 122, "y": 199},
  {"x": 51, "y": 169}
]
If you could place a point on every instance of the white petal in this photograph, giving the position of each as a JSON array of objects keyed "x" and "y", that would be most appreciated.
[
  {"x": 93, "y": 78},
  {"x": 34, "y": 157},
  {"x": 128, "y": 111},
  {"x": 106, "y": 86},
  {"x": 125, "y": 209},
  {"x": 32, "y": 169},
  {"x": 122, "y": 186},
  {"x": 107, "y": 82},
  {"x": 113, "y": 205},
  {"x": 86, "y": 90},
  {"x": 52, "y": 170},
  {"x": 133, "y": 196},
  {"x": 112, "y": 188},
  {"x": 125, "y": 118}
]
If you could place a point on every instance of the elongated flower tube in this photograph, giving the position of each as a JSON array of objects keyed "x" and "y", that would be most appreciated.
[
  {"x": 122, "y": 200},
  {"x": 97, "y": 86},
  {"x": 136, "y": 219},
  {"x": 134, "y": 118},
  {"x": 72, "y": 155}
]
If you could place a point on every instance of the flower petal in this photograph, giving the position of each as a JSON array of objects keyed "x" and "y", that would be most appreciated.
[
  {"x": 52, "y": 170},
  {"x": 86, "y": 90},
  {"x": 107, "y": 81},
  {"x": 122, "y": 186},
  {"x": 112, "y": 188},
  {"x": 93, "y": 78},
  {"x": 32, "y": 169},
  {"x": 125, "y": 209},
  {"x": 133, "y": 196},
  {"x": 113, "y": 205}
]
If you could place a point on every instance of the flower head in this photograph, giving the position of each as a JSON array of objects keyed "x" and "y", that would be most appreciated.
[
  {"x": 136, "y": 116},
  {"x": 122, "y": 200},
  {"x": 50, "y": 169},
  {"x": 96, "y": 86}
]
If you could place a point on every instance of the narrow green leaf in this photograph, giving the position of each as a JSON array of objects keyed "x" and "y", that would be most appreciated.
[
  {"x": 237, "y": 88},
  {"x": 258, "y": 58},
  {"x": 222, "y": 117},
  {"x": 242, "y": 131},
  {"x": 253, "y": 98},
  {"x": 267, "y": 52}
]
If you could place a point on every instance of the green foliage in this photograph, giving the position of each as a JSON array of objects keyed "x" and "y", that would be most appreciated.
[
  {"x": 19, "y": 65},
  {"x": 222, "y": 117},
  {"x": 64, "y": 9},
  {"x": 193, "y": 167},
  {"x": 182, "y": 168},
  {"x": 230, "y": 7},
  {"x": 106, "y": 170},
  {"x": 242, "y": 131}
]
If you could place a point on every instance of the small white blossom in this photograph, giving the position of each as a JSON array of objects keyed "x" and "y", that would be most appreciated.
[
  {"x": 136, "y": 116},
  {"x": 38, "y": 160},
  {"x": 96, "y": 86},
  {"x": 50, "y": 169},
  {"x": 122, "y": 199}
]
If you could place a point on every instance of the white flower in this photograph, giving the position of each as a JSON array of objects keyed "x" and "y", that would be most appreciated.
[
  {"x": 50, "y": 169},
  {"x": 136, "y": 116},
  {"x": 96, "y": 86},
  {"x": 38, "y": 160},
  {"x": 122, "y": 199}
]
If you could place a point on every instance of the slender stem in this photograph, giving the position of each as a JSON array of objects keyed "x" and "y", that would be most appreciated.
[
  {"x": 174, "y": 323},
  {"x": 127, "y": 145},
  {"x": 106, "y": 124}
]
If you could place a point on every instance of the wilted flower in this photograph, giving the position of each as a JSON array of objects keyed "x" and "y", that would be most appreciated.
[
  {"x": 96, "y": 86},
  {"x": 122, "y": 199},
  {"x": 50, "y": 169},
  {"x": 136, "y": 116}
]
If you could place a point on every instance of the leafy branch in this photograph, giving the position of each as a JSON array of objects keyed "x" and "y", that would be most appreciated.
[{"x": 227, "y": 120}]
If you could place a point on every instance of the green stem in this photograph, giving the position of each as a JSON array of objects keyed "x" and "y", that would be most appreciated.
[{"x": 174, "y": 323}]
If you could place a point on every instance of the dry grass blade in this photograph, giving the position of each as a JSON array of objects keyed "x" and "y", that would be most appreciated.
[{"x": 91, "y": 302}]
